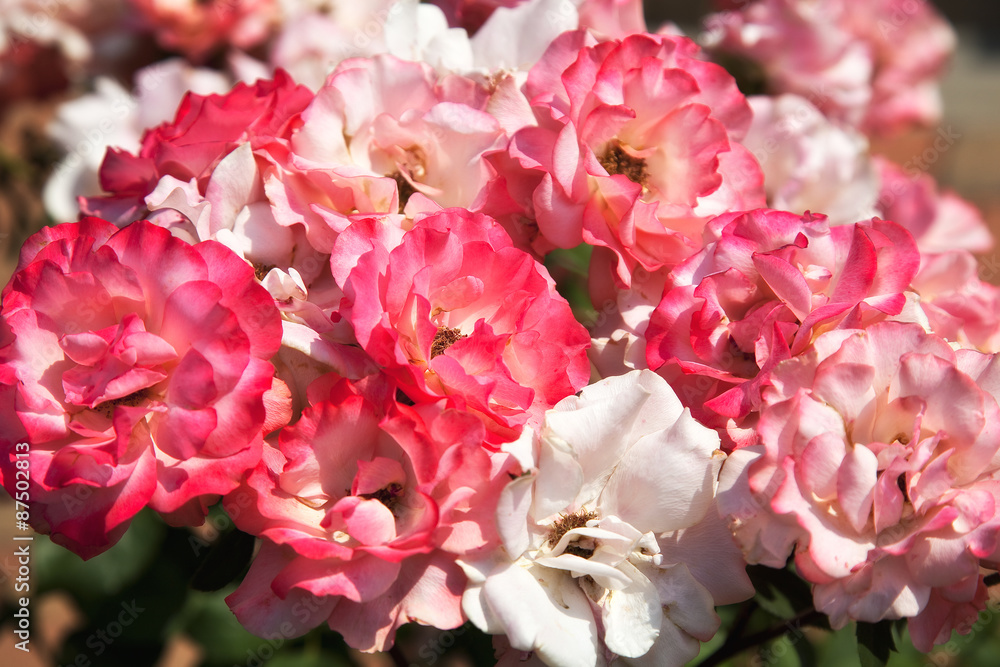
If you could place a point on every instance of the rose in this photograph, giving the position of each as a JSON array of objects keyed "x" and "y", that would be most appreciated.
[{"x": 139, "y": 368}]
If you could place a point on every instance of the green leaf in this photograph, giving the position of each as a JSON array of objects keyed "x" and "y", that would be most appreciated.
[
  {"x": 839, "y": 648},
  {"x": 805, "y": 650},
  {"x": 570, "y": 268},
  {"x": 875, "y": 643},
  {"x": 781, "y": 593},
  {"x": 208, "y": 621},
  {"x": 105, "y": 575},
  {"x": 224, "y": 562}
]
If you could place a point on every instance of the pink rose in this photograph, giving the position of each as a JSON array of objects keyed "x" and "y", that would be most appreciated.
[
  {"x": 384, "y": 129},
  {"x": 760, "y": 293},
  {"x": 878, "y": 464},
  {"x": 364, "y": 505},
  {"x": 453, "y": 309},
  {"x": 138, "y": 366},
  {"x": 635, "y": 147},
  {"x": 205, "y": 130}
]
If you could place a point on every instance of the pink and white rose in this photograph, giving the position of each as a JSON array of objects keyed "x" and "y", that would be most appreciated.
[
  {"x": 364, "y": 505},
  {"x": 635, "y": 146},
  {"x": 879, "y": 466},
  {"x": 453, "y": 309},
  {"x": 139, "y": 367},
  {"x": 761, "y": 293}
]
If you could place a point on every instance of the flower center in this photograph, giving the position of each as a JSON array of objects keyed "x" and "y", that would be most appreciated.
[
  {"x": 445, "y": 338},
  {"x": 388, "y": 495},
  {"x": 616, "y": 161},
  {"x": 577, "y": 550},
  {"x": 404, "y": 188},
  {"x": 260, "y": 270},
  {"x": 744, "y": 363},
  {"x": 568, "y": 522},
  {"x": 107, "y": 408}
]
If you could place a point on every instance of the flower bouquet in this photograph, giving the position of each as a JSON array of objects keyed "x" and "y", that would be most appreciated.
[{"x": 525, "y": 316}]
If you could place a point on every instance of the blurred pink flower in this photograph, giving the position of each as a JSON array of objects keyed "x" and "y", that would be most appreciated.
[
  {"x": 939, "y": 221},
  {"x": 872, "y": 65},
  {"x": 811, "y": 163},
  {"x": 196, "y": 28}
]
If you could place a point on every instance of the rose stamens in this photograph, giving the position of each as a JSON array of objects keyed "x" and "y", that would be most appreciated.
[
  {"x": 616, "y": 161},
  {"x": 444, "y": 339}
]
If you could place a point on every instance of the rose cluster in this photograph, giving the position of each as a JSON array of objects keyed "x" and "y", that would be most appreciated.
[{"x": 330, "y": 309}]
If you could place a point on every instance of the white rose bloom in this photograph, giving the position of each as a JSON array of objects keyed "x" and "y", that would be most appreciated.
[{"x": 620, "y": 493}]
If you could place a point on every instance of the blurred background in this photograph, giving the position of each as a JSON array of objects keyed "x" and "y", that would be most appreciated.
[{"x": 135, "y": 605}]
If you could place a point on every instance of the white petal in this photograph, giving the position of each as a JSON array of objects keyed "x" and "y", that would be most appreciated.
[
  {"x": 666, "y": 481},
  {"x": 688, "y": 616},
  {"x": 515, "y": 38},
  {"x": 712, "y": 556},
  {"x": 686, "y": 603},
  {"x": 606, "y": 576},
  {"x": 171, "y": 193},
  {"x": 473, "y": 601},
  {"x": 607, "y": 418},
  {"x": 512, "y": 516},
  {"x": 559, "y": 478},
  {"x": 232, "y": 187},
  {"x": 545, "y": 611},
  {"x": 632, "y": 616},
  {"x": 265, "y": 240}
]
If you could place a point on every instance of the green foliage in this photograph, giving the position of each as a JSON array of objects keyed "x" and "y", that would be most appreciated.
[
  {"x": 781, "y": 593},
  {"x": 875, "y": 643},
  {"x": 105, "y": 575},
  {"x": 570, "y": 269}
]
